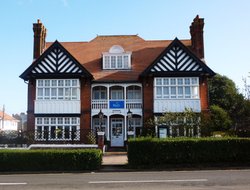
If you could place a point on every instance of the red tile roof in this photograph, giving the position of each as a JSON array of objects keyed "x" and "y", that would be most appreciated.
[
  {"x": 6, "y": 116},
  {"x": 144, "y": 52}
]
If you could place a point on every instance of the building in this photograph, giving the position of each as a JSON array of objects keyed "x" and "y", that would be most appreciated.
[
  {"x": 112, "y": 82},
  {"x": 22, "y": 117},
  {"x": 7, "y": 122}
]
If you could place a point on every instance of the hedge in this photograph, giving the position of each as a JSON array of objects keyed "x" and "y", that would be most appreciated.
[
  {"x": 153, "y": 152},
  {"x": 50, "y": 160}
]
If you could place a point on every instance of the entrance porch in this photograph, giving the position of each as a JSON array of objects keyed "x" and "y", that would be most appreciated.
[{"x": 117, "y": 127}]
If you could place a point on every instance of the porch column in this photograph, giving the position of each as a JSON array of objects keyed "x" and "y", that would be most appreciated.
[
  {"x": 108, "y": 134},
  {"x": 125, "y": 97},
  {"x": 108, "y": 116},
  {"x": 108, "y": 96},
  {"x": 125, "y": 127},
  {"x": 125, "y": 114}
]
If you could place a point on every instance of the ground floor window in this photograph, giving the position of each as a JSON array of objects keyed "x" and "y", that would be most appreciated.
[
  {"x": 57, "y": 128},
  {"x": 100, "y": 125},
  {"x": 178, "y": 131},
  {"x": 184, "y": 131},
  {"x": 135, "y": 125}
]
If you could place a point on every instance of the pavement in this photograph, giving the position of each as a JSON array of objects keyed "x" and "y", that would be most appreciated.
[{"x": 114, "y": 161}]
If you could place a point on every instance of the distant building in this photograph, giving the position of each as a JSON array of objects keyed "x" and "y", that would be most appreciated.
[
  {"x": 8, "y": 122},
  {"x": 113, "y": 82},
  {"x": 22, "y": 117}
]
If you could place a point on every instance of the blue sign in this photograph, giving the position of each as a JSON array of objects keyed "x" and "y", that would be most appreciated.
[{"x": 116, "y": 104}]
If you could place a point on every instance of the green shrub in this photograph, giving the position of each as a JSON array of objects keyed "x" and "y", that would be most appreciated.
[
  {"x": 50, "y": 160},
  {"x": 152, "y": 152}
]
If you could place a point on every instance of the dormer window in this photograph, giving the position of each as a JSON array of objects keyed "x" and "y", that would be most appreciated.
[{"x": 116, "y": 58}]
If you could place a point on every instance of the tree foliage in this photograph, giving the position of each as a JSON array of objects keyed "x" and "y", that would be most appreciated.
[
  {"x": 224, "y": 94},
  {"x": 220, "y": 120}
]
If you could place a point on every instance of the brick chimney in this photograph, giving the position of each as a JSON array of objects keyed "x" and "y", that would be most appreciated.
[
  {"x": 196, "y": 31},
  {"x": 39, "y": 38}
]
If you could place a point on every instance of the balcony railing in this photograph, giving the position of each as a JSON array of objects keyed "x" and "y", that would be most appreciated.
[
  {"x": 134, "y": 103},
  {"x": 99, "y": 104},
  {"x": 128, "y": 104}
]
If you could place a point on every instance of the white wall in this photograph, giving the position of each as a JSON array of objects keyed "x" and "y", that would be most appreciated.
[
  {"x": 9, "y": 125},
  {"x": 178, "y": 105},
  {"x": 57, "y": 106}
]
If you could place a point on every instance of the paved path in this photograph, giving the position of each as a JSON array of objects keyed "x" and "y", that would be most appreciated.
[{"x": 114, "y": 158}]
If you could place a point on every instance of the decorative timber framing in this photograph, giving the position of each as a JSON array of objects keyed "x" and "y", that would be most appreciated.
[
  {"x": 177, "y": 60},
  {"x": 55, "y": 62}
]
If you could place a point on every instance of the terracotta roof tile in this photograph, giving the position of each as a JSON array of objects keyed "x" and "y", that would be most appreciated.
[
  {"x": 7, "y": 117},
  {"x": 144, "y": 52}
]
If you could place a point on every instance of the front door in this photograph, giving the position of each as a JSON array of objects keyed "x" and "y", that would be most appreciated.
[{"x": 117, "y": 132}]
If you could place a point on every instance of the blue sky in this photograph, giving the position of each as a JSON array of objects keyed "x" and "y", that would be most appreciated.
[{"x": 226, "y": 32}]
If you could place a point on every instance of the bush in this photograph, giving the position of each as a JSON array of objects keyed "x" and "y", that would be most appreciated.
[
  {"x": 153, "y": 152},
  {"x": 220, "y": 120},
  {"x": 50, "y": 160}
]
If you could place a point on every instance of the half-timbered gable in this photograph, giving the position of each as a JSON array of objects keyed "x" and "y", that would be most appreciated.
[
  {"x": 177, "y": 60},
  {"x": 55, "y": 62}
]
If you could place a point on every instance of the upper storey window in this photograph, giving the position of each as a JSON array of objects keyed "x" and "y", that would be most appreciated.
[
  {"x": 116, "y": 58},
  {"x": 58, "y": 89},
  {"x": 176, "y": 88}
]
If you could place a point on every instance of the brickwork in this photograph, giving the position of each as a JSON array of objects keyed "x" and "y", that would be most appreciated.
[
  {"x": 204, "y": 94},
  {"x": 39, "y": 39},
  {"x": 196, "y": 31},
  {"x": 148, "y": 97},
  {"x": 85, "y": 119},
  {"x": 31, "y": 99}
]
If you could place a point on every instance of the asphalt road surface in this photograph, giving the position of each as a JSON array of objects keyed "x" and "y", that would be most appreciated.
[{"x": 181, "y": 180}]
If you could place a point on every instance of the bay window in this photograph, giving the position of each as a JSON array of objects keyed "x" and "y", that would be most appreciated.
[
  {"x": 58, "y": 89},
  {"x": 177, "y": 88},
  {"x": 57, "y": 128}
]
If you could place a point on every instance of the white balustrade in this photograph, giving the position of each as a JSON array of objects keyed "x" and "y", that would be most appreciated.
[{"x": 129, "y": 104}]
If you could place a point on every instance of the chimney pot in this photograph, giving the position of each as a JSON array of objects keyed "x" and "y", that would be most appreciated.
[
  {"x": 196, "y": 31},
  {"x": 39, "y": 38}
]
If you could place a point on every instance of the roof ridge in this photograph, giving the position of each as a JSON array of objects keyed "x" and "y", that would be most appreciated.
[
  {"x": 117, "y": 36},
  {"x": 6, "y": 116}
]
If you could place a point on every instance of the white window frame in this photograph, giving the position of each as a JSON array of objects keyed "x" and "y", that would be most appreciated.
[
  {"x": 96, "y": 123},
  {"x": 170, "y": 88},
  {"x": 99, "y": 91},
  {"x": 117, "y": 61},
  {"x": 133, "y": 94},
  {"x": 136, "y": 122},
  {"x": 117, "y": 94},
  {"x": 59, "y": 124},
  {"x": 58, "y": 89}
]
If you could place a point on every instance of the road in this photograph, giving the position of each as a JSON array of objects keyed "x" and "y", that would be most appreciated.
[{"x": 181, "y": 180}]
